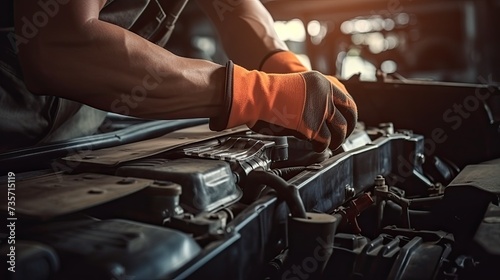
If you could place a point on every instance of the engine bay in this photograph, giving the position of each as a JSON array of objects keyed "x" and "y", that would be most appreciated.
[
  {"x": 198, "y": 204},
  {"x": 413, "y": 192}
]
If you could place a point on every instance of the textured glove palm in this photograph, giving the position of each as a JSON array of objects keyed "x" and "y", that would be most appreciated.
[
  {"x": 298, "y": 104},
  {"x": 281, "y": 62}
]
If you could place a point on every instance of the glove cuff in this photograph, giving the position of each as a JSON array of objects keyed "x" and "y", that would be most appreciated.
[
  {"x": 282, "y": 61},
  {"x": 220, "y": 122}
]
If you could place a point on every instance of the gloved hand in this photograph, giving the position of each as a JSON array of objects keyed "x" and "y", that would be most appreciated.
[
  {"x": 298, "y": 104},
  {"x": 282, "y": 61}
]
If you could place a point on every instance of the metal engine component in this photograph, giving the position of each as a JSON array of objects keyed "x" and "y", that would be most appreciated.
[
  {"x": 245, "y": 153},
  {"x": 54, "y": 195},
  {"x": 206, "y": 184},
  {"x": 115, "y": 249},
  {"x": 191, "y": 187},
  {"x": 393, "y": 255}
]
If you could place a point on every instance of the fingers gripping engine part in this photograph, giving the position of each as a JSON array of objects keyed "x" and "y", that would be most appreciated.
[{"x": 307, "y": 105}]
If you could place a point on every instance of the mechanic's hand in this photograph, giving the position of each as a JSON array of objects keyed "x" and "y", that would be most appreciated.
[
  {"x": 299, "y": 104},
  {"x": 282, "y": 62}
]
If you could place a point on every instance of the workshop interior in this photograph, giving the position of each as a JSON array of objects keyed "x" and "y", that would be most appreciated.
[{"x": 413, "y": 192}]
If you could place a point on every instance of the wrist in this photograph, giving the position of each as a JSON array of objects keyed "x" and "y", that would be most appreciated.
[
  {"x": 258, "y": 96},
  {"x": 220, "y": 121},
  {"x": 282, "y": 61}
]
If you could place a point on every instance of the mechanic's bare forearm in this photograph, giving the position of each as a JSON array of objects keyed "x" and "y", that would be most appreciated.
[
  {"x": 246, "y": 30},
  {"x": 109, "y": 68}
]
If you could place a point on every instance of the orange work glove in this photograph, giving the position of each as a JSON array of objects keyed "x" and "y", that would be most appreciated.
[
  {"x": 298, "y": 104},
  {"x": 282, "y": 61}
]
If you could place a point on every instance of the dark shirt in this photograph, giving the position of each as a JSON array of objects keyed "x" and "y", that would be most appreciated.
[
  {"x": 27, "y": 119},
  {"x": 6, "y": 13}
]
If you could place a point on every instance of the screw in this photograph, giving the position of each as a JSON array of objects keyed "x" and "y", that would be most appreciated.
[
  {"x": 91, "y": 176},
  {"x": 350, "y": 192},
  {"x": 162, "y": 183},
  {"x": 95, "y": 191},
  {"x": 314, "y": 166},
  {"x": 126, "y": 181},
  {"x": 380, "y": 185},
  {"x": 379, "y": 181},
  {"x": 420, "y": 158},
  {"x": 212, "y": 216},
  {"x": 387, "y": 127}
]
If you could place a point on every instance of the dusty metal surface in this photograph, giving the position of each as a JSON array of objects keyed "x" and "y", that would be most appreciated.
[
  {"x": 45, "y": 197},
  {"x": 116, "y": 155}
]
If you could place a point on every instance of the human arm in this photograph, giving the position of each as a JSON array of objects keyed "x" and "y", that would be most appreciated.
[
  {"x": 245, "y": 29},
  {"x": 78, "y": 57},
  {"x": 248, "y": 36}
]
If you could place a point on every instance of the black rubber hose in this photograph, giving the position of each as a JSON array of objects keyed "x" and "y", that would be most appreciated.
[
  {"x": 289, "y": 193},
  {"x": 419, "y": 219},
  {"x": 424, "y": 203}
]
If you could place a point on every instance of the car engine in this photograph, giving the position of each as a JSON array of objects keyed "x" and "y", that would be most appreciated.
[{"x": 393, "y": 202}]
